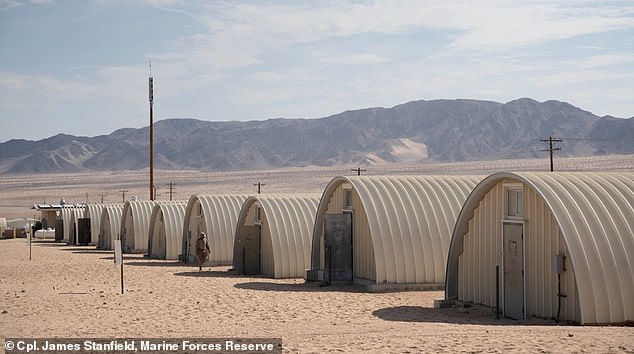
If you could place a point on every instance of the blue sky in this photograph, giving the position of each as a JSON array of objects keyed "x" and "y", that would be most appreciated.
[{"x": 81, "y": 67}]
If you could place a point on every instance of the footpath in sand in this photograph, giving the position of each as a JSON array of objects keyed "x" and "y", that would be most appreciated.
[{"x": 75, "y": 292}]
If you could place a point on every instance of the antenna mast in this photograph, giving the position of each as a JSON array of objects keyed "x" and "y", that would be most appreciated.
[{"x": 151, "y": 92}]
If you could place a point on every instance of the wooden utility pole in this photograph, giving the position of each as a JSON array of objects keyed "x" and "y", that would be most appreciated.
[
  {"x": 358, "y": 170},
  {"x": 550, "y": 149},
  {"x": 171, "y": 189},
  {"x": 151, "y": 92},
  {"x": 123, "y": 191},
  {"x": 259, "y": 186}
]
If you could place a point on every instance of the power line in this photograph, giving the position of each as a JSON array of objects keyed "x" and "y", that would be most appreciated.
[{"x": 611, "y": 140}]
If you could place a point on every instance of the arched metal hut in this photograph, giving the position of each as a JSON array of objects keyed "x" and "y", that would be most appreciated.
[
  {"x": 110, "y": 226},
  {"x": 273, "y": 235},
  {"x": 563, "y": 244},
  {"x": 135, "y": 225},
  {"x": 165, "y": 238},
  {"x": 71, "y": 218},
  {"x": 93, "y": 212},
  {"x": 216, "y": 216},
  {"x": 387, "y": 231}
]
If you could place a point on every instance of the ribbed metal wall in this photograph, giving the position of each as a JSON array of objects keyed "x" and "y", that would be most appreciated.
[
  {"x": 287, "y": 226},
  {"x": 93, "y": 212},
  {"x": 74, "y": 215},
  {"x": 67, "y": 212},
  {"x": 165, "y": 237},
  {"x": 110, "y": 226},
  {"x": 135, "y": 225},
  {"x": 218, "y": 217},
  {"x": 405, "y": 232},
  {"x": 589, "y": 217}
]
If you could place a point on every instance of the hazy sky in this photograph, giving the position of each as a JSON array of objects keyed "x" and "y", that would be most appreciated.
[{"x": 81, "y": 67}]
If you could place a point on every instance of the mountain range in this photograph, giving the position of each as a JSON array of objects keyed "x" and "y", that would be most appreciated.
[{"x": 418, "y": 131}]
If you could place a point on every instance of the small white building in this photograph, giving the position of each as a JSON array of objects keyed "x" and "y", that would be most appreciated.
[
  {"x": 274, "y": 234},
  {"x": 563, "y": 244}
]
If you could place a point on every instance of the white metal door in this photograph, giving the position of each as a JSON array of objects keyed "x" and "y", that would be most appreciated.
[{"x": 513, "y": 235}]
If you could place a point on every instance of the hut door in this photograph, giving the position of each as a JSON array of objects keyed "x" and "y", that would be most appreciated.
[
  {"x": 513, "y": 235},
  {"x": 83, "y": 233},
  {"x": 338, "y": 247},
  {"x": 251, "y": 250}
]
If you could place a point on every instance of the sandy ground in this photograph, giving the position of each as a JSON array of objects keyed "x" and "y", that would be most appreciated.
[{"x": 71, "y": 291}]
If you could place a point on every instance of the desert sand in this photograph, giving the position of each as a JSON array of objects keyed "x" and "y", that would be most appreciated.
[{"x": 72, "y": 291}]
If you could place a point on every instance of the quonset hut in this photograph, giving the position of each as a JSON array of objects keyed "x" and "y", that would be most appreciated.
[
  {"x": 273, "y": 235},
  {"x": 135, "y": 225},
  {"x": 387, "y": 231},
  {"x": 110, "y": 226},
  {"x": 216, "y": 216},
  {"x": 71, "y": 216},
  {"x": 94, "y": 212},
  {"x": 165, "y": 238},
  {"x": 563, "y": 244}
]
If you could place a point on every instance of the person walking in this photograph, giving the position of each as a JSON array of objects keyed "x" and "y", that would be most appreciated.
[{"x": 202, "y": 250}]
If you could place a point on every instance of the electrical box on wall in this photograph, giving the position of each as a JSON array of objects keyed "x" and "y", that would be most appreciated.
[{"x": 559, "y": 263}]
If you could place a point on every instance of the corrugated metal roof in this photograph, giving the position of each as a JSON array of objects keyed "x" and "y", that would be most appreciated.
[
  {"x": 111, "y": 213},
  {"x": 221, "y": 215},
  {"x": 410, "y": 219},
  {"x": 140, "y": 211},
  {"x": 173, "y": 216},
  {"x": 595, "y": 213},
  {"x": 70, "y": 216},
  {"x": 93, "y": 212},
  {"x": 290, "y": 219}
]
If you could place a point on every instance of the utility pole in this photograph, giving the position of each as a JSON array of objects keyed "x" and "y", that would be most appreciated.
[
  {"x": 155, "y": 192},
  {"x": 550, "y": 149},
  {"x": 259, "y": 186},
  {"x": 123, "y": 191},
  {"x": 151, "y": 91},
  {"x": 171, "y": 189},
  {"x": 358, "y": 170}
]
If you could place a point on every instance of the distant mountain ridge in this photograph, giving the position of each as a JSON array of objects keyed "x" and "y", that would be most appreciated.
[{"x": 436, "y": 130}]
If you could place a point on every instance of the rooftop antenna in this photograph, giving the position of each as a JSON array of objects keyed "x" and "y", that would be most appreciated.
[{"x": 151, "y": 89}]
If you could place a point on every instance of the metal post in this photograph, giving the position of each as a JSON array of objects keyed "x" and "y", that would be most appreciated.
[
  {"x": 151, "y": 84},
  {"x": 122, "y": 273},
  {"x": 30, "y": 240}
]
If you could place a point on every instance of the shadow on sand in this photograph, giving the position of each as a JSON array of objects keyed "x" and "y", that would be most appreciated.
[
  {"x": 149, "y": 262},
  {"x": 304, "y": 287},
  {"x": 475, "y": 315},
  {"x": 49, "y": 243},
  {"x": 206, "y": 273}
]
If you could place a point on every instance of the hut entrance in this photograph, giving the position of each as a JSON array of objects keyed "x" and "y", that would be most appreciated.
[
  {"x": 83, "y": 233},
  {"x": 338, "y": 248},
  {"x": 513, "y": 234},
  {"x": 251, "y": 250}
]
